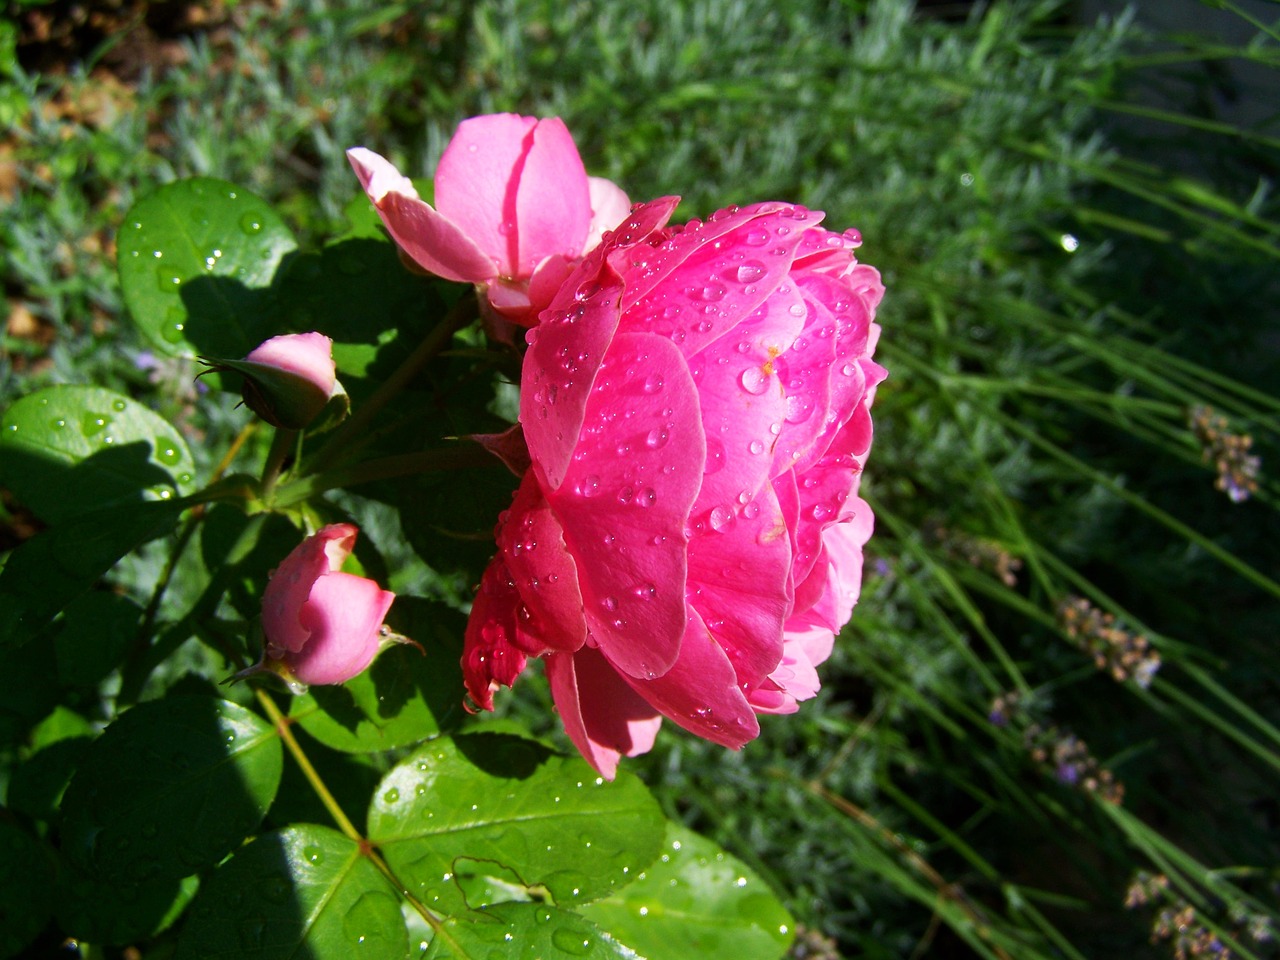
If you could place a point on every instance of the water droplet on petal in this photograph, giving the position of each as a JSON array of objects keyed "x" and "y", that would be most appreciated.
[{"x": 754, "y": 380}]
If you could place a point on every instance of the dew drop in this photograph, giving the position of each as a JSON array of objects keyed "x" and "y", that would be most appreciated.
[
  {"x": 251, "y": 224},
  {"x": 754, "y": 380},
  {"x": 750, "y": 272},
  {"x": 657, "y": 437},
  {"x": 721, "y": 518},
  {"x": 653, "y": 383},
  {"x": 756, "y": 447}
]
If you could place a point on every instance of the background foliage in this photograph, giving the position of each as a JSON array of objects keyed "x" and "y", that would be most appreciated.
[{"x": 1081, "y": 257}]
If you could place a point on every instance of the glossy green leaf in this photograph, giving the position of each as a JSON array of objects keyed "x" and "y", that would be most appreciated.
[
  {"x": 405, "y": 697},
  {"x": 171, "y": 787},
  {"x": 67, "y": 450},
  {"x": 696, "y": 900},
  {"x": 525, "y": 930},
  {"x": 548, "y": 819},
  {"x": 196, "y": 261},
  {"x": 103, "y": 911},
  {"x": 26, "y": 887},
  {"x": 46, "y": 573},
  {"x": 305, "y": 891}
]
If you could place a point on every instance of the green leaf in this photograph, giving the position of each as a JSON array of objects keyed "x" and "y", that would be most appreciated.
[
  {"x": 37, "y": 785},
  {"x": 525, "y": 930},
  {"x": 357, "y": 292},
  {"x": 196, "y": 261},
  {"x": 303, "y": 892},
  {"x": 696, "y": 901},
  {"x": 67, "y": 450},
  {"x": 171, "y": 787},
  {"x": 47, "y": 572},
  {"x": 93, "y": 635},
  {"x": 547, "y": 818},
  {"x": 405, "y": 697},
  {"x": 28, "y": 689},
  {"x": 103, "y": 911},
  {"x": 26, "y": 887}
]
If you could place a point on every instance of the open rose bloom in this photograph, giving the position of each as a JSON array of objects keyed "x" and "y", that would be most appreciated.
[
  {"x": 688, "y": 538},
  {"x": 515, "y": 210}
]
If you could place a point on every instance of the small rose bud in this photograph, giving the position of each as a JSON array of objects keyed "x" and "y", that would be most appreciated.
[
  {"x": 322, "y": 625},
  {"x": 288, "y": 380}
]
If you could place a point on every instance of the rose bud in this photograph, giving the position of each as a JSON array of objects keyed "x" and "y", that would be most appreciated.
[
  {"x": 289, "y": 380},
  {"x": 322, "y": 625}
]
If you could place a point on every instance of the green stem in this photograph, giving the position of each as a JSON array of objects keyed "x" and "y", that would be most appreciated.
[
  {"x": 282, "y": 725},
  {"x": 283, "y": 443},
  {"x": 384, "y": 468},
  {"x": 462, "y": 313}
]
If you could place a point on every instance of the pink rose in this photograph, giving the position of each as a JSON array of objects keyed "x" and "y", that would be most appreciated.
[
  {"x": 322, "y": 625},
  {"x": 514, "y": 210},
  {"x": 688, "y": 539}
]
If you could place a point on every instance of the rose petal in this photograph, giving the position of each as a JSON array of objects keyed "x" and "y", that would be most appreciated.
[
  {"x": 609, "y": 207},
  {"x": 700, "y": 692},
  {"x": 543, "y": 571},
  {"x": 626, "y": 497},
  {"x": 605, "y": 718},
  {"x": 291, "y": 582},
  {"x": 343, "y": 616},
  {"x": 431, "y": 240}
]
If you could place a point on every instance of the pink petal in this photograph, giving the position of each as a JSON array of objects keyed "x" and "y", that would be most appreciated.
[
  {"x": 431, "y": 240},
  {"x": 743, "y": 403},
  {"x": 543, "y": 571},
  {"x": 343, "y": 615},
  {"x": 625, "y": 500},
  {"x": 565, "y": 351},
  {"x": 700, "y": 692},
  {"x": 739, "y": 566},
  {"x": 609, "y": 207},
  {"x": 490, "y": 656},
  {"x": 517, "y": 187},
  {"x": 553, "y": 202},
  {"x": 698, "y": 238},
  {"x": 725, "y": 270},
  {"x": 309, "y": 355},
  {"x": 291, "y": 582},
  {"x": 605, "y": 718},
  {"x": 568, "y": 346}
]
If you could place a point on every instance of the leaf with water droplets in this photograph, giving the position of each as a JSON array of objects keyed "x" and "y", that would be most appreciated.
[
  {"x": 196, "y": 261},
  {"x": 171, "y": 787},
  {"x": 547, "y": 819},
  {"x": 696, "y": 900},
  {"x": 304, "y": 891},
  {"x": 524, "y": 930},
  {"x": 67, "y": 450}
]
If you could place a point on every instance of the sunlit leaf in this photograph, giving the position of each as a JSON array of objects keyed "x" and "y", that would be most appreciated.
[
  {"x": 696, "y": 900},
  {"x": 67, "y": 450},
  {"x": 196, "y": 261},
  {"x": 548, "y": 819}
]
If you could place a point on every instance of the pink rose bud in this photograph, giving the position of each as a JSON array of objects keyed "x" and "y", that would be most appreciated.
[
  {"x": 288, "y": 380},
  {"x": 688, "y": 539},
  {"x": 515, "y": 210},
  {"x": 322, "y": 625}
]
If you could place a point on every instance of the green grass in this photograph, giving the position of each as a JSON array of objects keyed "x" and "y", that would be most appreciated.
[{"x": 1033, "y": 441}]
